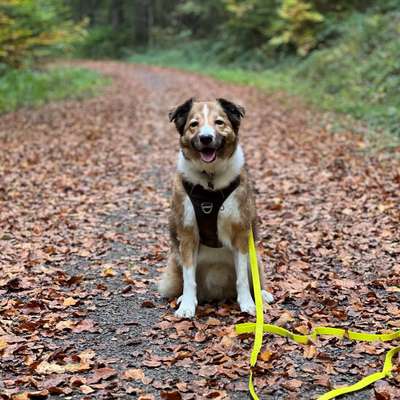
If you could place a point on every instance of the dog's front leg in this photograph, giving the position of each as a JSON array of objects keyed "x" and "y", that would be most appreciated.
[
  {"x": 244, "y": 298},
  {"x": 188, "y": 300}
]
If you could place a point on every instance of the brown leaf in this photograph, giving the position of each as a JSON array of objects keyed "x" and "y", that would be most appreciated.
[
  {"x": 292, "y": 385},
  {"x": 3, "y": 344},
  {"x": 101, "y": 374},
  {"x": 227, "y": 341},
  {"x": 322, "y": 380},
  {"x": 86, "y": 325},
  {"x": 309, "y": 351},
  {"x": 302, "y": 329},
  {"x": 182, "y": 386},
  {"x": 200, "y": 337},
  {"x": 40, "y": 394},
  {"x": 69, "y": 301},
  {"x": 68, "y": 324},
  {"x": 175, "y": 395},
  {"x": 151, "y": 363},
  {"x": 383, "y": 391},
  {"x": 20, "y": 396},
  {"x": 45, "y": 368},
  {"x": 285, "y": 317},
  {"x": 133, "y": 373},
  {"x": 86, "y": 389},
  {"x": 147, "y": 304},
  {"x": 146, "y": 397},
  {"x": 213, "y": 321},
  {"x": 265, "y": 355},
  {"x": 86, "y": 355}
]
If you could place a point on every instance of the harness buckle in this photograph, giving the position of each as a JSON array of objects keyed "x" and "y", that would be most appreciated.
[{"x": 207, "y": 207}]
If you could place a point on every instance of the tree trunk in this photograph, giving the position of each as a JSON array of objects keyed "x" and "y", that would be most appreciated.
[
  {"x": 117, "y": 14},
  {"x": 143, "y": 22}
]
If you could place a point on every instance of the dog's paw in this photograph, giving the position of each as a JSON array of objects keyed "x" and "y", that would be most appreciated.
[
  {"x": 187, "y": 308},
  {"x": 267, "y": 296},
  {"x": 247, "y": 305}
]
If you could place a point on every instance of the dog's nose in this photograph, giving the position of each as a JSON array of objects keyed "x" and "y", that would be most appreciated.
[{"x": 206, "y": 139}]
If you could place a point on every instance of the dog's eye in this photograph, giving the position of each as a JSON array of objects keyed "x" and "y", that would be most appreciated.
[
  {"x": 193, "y": 124},
  {"x": 219, "y": 122}
]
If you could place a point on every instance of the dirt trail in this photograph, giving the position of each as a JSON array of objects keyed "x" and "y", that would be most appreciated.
[{"x": 84, "y": 200}]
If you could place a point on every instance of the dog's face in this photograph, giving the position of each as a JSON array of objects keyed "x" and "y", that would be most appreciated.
[{"x": 208, "y": 130}]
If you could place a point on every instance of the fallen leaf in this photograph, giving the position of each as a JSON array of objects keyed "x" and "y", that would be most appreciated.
[
  {"x": 133, "y": 373},
  {"x": 309, "y": 351},
  {"x": 285, "y": 317},
  {"x": 101, "y": 374},
  {"x": 265, "y": 355},
  {"x": 3, "y": 344},
  {"x": 292, "y": 385},
  {"x": 200, "y": 337},
  {"x": 86, "y": 325},
  {"x": 108, "y": 272},
  {"x": 68, "y": 324},
  {"x": 175, "y": 395},
  {"x": 86, "y": 389},
  {"x": 45, "y": 368},
  {"x": 69, "y": 301}
]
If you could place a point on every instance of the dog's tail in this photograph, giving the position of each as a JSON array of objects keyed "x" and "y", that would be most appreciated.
[{"x": 171, "y": 282}]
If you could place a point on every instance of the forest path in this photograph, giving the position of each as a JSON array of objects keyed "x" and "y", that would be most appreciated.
[{"x": 83, "y": 236}]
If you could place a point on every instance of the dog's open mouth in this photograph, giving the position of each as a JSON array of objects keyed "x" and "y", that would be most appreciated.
[{"x": 208, "y": 155}]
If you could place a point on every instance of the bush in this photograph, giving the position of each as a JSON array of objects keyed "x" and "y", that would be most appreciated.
[
  {"x": 360, "y": 73},
  {"x": 104, "y": 42},
  {"x": 297, "y": 26},
  {"x": 30, "y": 29}
]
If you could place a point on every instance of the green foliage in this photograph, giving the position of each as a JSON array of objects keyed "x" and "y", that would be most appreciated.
[
  {"x": 34, "y": 28},
  {"x": 360, "y": 73},
  {"x": 297, "y": 25},
  {"x": 103, "y": 42},
  {"x": 249, "y": 24},
  {"x": 32, "y": 88}
]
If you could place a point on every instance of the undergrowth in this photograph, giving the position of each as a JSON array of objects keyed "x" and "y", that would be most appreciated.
[{"x": 36, "y": 87}]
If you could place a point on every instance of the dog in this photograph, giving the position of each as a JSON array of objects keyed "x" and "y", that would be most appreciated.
[{"x": 213, "y": 209}]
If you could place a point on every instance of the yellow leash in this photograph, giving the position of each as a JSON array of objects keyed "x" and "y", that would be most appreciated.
[{"x": 258, "y": 328}]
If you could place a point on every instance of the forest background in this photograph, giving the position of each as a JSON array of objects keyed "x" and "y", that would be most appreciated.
[{"x": 342, "y": 56}]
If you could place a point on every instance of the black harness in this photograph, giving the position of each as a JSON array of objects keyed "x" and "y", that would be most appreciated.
[{"x": 206, "y": 204}]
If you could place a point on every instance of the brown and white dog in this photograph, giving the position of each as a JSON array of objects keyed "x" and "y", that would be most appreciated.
[{"x": 213, "y": 209}]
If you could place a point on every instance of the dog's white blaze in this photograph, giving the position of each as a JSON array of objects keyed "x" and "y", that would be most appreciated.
[
  {"x": 206, "y": 129},
  {"x": 244, "y": 298},
  {"x": 188, "y": 213},
  {"x": 205, "y": 113}
]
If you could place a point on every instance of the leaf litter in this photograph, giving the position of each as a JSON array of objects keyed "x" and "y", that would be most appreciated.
[{"x": 84, "y": 201}]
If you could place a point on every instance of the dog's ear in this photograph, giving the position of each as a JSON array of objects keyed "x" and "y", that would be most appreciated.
[
  {"x": 233, "y": 111},
  {"x": 180, "y": 114}
]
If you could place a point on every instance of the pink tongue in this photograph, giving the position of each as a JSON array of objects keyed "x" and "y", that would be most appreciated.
[{"x": 208, "y": 155}]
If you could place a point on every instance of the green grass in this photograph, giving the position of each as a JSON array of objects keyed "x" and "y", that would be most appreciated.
[{"x": 20, "y": 88}]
